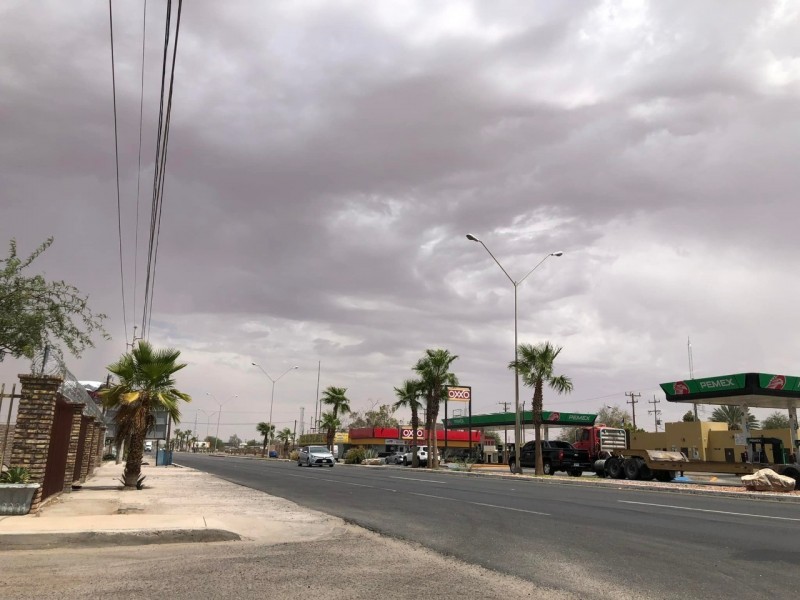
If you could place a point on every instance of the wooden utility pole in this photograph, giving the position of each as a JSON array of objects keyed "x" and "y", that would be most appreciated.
[
  {"x": 655, "y": 412},
  {"x": 633, "y": 402}
]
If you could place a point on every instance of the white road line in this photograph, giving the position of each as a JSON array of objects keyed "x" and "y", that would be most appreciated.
[
  {"x": 705, "y": 510},
  {"x": 413, "y": 479},
  {"x": 530, "y": 512}
]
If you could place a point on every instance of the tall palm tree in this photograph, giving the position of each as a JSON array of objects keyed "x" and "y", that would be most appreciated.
[
  {"x": 408, "y": 395},
  {"x": 285, "y": 436},
  {"x": 434, "y": 373},
  {"x": 268, "y": 431},
  {"x": 535, "y": 365},
  {"x": 146, "y": 385},
  {"x": 178, "y": 438},
  {"x": 330, "y": 423},
  {"x": 336, "y": 398},
  {"x": 732, "y": 415}
]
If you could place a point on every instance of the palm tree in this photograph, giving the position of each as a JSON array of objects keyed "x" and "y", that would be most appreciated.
[
  {"x": 408, "y": 395},
  {"x": 146, "y": 385},
  {"x": 434, "y": 372},
  {"x": 535, "y": 365},
  {"x": 267, "y": 430},
  {"x": 178, "y": 438},
  {"x": 285, "y": 436},
  {"x": 732, "y": 415},
  {"x": 336, "y": 398},
  {"x": 330, "y": 423}
]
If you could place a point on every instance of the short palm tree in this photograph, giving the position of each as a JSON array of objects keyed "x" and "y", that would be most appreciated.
[
  {"x": 535, "y": 365},
  {"x": 178, "y": 438},
  {"x": 285, "y": 437},
  {"x": 336, "y": 398},
  {"x": 330, "y": 423},
  {"x": 434, "y": 373},
  {"x": 146, "y": 385},
  {"x": 268, "y": 431},
  {"x": 732, "y": 415},
  {"x": 408, "y": 395}
]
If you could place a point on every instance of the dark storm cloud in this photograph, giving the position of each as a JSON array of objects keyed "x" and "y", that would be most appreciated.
[{"x": 326, "y": 160}]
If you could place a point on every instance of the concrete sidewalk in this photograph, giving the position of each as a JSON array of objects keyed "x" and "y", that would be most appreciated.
[{"x": 176, "y": 505}]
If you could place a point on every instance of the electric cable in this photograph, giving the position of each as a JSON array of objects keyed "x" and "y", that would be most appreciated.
[
  {"x": 116, "y": 157},
  {"x": 139, "y": 177}
]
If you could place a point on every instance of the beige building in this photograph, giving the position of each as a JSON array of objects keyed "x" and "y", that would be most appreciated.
[{"x": 706, "y": 440}]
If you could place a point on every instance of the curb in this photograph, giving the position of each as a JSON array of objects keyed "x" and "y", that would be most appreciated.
[{"x": 108, "y": 539}]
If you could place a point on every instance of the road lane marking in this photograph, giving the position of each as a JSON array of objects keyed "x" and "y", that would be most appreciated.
[
  {"x": 414, "y": 479},
  {"x": 706, "y": 510},
  {"x": 522, "y": 510}
]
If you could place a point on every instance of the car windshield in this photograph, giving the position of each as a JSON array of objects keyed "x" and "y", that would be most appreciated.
[{"x": 318, "y": 449}]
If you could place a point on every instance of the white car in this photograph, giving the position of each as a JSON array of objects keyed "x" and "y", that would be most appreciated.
[
  {"x": 315, "y": 455},
  {"x": 422, "y": 454}
]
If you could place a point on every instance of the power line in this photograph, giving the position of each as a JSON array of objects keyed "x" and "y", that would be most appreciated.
[
  {"x": 139, "y": 176},
  {"x": 116, "y": 158},
  {"x": 162, "y": 140}
]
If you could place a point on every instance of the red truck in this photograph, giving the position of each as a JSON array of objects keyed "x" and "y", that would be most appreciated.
[{"x": 600, "y": 441}]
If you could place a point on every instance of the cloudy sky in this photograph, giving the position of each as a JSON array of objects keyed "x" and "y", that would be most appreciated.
[{"x": 326, "y": 160}]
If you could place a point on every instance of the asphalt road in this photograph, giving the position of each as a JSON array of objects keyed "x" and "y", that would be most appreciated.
[{"x": 558, "y": 536}]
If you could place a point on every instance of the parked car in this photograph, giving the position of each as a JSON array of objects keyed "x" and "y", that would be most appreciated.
[
  {"x": 315, "y": 455},
  {"x": 556, "y": 456},
  {"x": 148, "y": 446},
  {"x": 422, "y": 454},
  {"x": 395, "y": 458}
]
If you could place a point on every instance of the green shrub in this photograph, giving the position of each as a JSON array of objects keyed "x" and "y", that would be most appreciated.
[
  {"x": 370, "y": 453},
  {"x": 354, "y": 456},
  {"x": 15, "y": 475}
]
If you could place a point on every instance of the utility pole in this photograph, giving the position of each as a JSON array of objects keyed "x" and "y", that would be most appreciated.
[
  {"x": 302, "y": 421},
  {"x": 633, "y": 402},
  {"x": 691, "y": 372},
  {"x": 505, "y": 432},
  {"x": 655, "y": 412}
]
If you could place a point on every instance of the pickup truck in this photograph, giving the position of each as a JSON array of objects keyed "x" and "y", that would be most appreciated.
[{"x": 556, "y": 456}]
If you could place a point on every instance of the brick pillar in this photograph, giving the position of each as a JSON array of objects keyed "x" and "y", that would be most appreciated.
[
  {"x": 101, "y": 444},
  {"x": 93, "y": 448},
  {"x": 35, "y": 416},
  {"x": 72, "y": 453},
  {"x": 87, "y": 448}
]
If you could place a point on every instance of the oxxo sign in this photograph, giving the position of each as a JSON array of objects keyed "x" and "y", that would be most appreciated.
[
  {"x": 459, "y": 393},
  {"x": 408, "y": 433}
]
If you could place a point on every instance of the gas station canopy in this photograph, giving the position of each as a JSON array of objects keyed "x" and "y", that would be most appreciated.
[
  {"x": 758, "y": 390},
  {"x": 507, "y": 419}
]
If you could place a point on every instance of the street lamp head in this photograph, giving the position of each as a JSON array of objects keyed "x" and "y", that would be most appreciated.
[
  {"x": 254, "y": 364},
  {"x": 472, "y": 238},
  {"x": 296, "y": 367},
  {"x": 559, "y": 253}
]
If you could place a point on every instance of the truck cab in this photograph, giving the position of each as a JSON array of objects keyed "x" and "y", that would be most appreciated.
[{"x": 600, "y": 441}]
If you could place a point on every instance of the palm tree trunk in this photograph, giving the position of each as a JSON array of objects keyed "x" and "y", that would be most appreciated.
[
  {"x": 133, "y": 466},
  {"x": 264, "y": 447},
  {"x": 414, "y": 427},
  {"x": 537, "y": 422},
  {"x": 433, "y": 448}
]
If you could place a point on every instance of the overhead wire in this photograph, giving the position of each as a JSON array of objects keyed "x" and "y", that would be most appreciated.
[
  {"x": 162, "y": 139},
  {"x": 139, "y": 176},
  {"x": 116, "y": 157}
]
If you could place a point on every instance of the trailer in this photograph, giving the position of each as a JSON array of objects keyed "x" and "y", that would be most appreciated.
[{"x": 645, "y": 465}]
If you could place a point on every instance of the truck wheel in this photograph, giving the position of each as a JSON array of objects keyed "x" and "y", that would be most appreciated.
[
  {"x": 645, "y": 472},
  {"x": 547, "y": 468},
  {"x": 665, "y": 476},
  {"x": 631, "y": 468},
  {"x": 576, "y": 472},
  {"x": 613, "y": 468},
  {"x": 794, "y": 474}
]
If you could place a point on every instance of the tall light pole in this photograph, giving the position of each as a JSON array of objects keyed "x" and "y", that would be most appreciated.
[
  {"x": 274, "y": 381},
  {"x": 219, "y": 412},
  {"x": 517, "y": 427}
]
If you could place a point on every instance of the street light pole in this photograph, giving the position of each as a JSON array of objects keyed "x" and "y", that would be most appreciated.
[
  {"x": 219, "y": 413},
  {"x": 517, "y": 423},
  {"x": 274, "y": 381}
]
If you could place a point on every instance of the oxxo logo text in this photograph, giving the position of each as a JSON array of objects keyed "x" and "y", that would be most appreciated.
[
  {"x": 458, "y": 393},
  {"x": 408, "y": 433}
]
